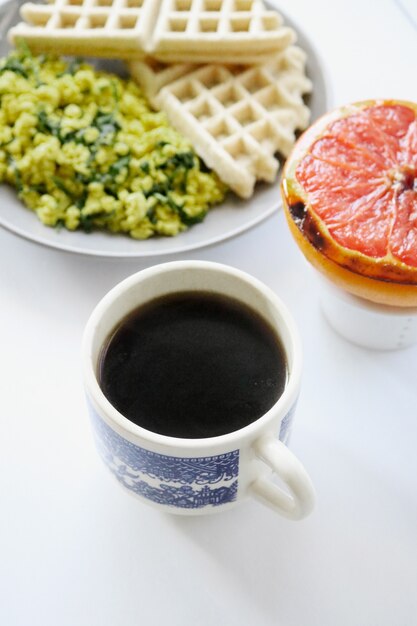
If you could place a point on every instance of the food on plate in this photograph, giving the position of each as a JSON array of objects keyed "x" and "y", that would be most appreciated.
[
  {"x": 237, "y": 117},
  {"x": 84, "y": 150},
  {"x": 206, "y": 31},
  {"x": 241, "y": 31},
  {"x": 153, "y": 75},
  {"x": 110, "y": 29},
  {"x": 350, "y": 195}
]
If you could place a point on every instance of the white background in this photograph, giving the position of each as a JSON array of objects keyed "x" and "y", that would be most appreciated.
[{"x": 75, "y": 550}]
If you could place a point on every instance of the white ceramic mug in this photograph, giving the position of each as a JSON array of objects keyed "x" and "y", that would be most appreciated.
[{"x": 194, "y": 476}]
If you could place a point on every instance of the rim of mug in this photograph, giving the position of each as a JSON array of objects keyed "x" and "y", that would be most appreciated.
[{"x": 284, "y": 402}]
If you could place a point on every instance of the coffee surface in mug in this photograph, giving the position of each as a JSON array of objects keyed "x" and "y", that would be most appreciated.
[{"x": 193, "y": 365}]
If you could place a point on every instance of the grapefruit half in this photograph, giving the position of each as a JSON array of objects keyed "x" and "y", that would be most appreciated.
[{"x": 349, "y": 191}]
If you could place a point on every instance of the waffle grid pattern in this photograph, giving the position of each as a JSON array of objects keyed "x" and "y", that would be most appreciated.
[
  {"x": 85, "y": 14},
  {"x": 239, "y": 118},
  {"x": 212, "y": 28},
  {"x": 153, "y": 75},
  {"x": 97, "y": 27},
  {"x": 166, "y": 29},
  {"x": 222, "y": 17}
]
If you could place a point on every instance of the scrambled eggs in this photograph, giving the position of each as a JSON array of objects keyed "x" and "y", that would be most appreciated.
[{"x": 84, "y": 150}]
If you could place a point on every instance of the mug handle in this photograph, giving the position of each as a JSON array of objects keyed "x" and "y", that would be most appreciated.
[{"x": 298, "y": 501}]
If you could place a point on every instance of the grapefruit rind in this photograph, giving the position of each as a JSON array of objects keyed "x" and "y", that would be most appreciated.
[
  {"x": 381, "y": 292},
  {"x": 384, "y": 280}
]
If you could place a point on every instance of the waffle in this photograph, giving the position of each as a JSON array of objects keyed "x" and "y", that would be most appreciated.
[
  {"x": 153, "y": 75},
  {"x": 102, "y": 28},
  {"x": 232, "y": 31},
  {"x": 226, "y": 31},
  {"x": 237, "y": 118}
]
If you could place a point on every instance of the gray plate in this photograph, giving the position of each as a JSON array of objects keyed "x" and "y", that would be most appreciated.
[{"x": 232, "y": 217}]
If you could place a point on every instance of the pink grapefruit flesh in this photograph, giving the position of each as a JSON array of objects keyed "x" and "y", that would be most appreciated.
[{"x": 349, "y": 191}]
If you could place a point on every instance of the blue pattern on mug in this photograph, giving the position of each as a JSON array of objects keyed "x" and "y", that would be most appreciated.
[
  {"x": 174, "y": 481},
  {"x": 286, "y": 424}
]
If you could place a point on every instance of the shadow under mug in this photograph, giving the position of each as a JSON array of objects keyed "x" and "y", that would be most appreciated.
[{"x": 195, "y": 476}]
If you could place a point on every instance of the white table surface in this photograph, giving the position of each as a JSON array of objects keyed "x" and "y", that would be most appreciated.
[{"x": 75, "y": 550}]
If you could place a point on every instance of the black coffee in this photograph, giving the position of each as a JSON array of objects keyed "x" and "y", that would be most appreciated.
[{"x": 193, "y": 365}]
